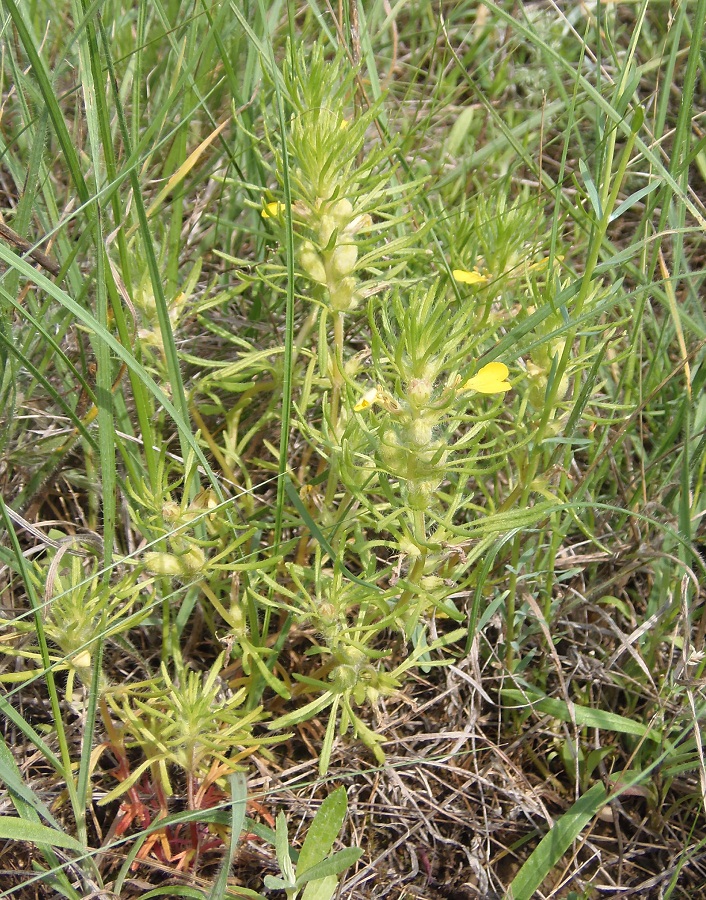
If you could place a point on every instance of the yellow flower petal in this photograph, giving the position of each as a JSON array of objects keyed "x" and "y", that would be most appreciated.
[
  {"x": 82, "y": 660},
  {"x": 272, "y": 210},
  {"x": 490, "y": 380},
  {"x": 466, "y": 277},
  {"x": 367, "y": 400}
]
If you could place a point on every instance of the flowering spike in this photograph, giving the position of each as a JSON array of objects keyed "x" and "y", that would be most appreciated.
[{"x": 490, "y": 380}]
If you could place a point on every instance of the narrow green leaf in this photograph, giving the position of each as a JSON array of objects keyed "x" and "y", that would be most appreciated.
[
  {"x": 174, "y": 891},
  {"x": 330, "y": 736},
  {"x": 26, "y": 802},
  {"x": 277, "y": 686},
  {"x": 82, "y": 315},
  {"x": 29, "y": 807},
  {"x": 318, "y": 535},
  {"x": 555, "y": 843},
  {"x": 239, "y": 892},
  {"x": 648, "y": 152},
  {"x": 29, "y": 732},
  {"x": 49, "y": 96},
  {"x": 591, "y": 190},
  {"x": 583, "y": 715},
  {"x": 238, "y": 794},
  {"x": 300, "y": 715},
  {"x": 627, "y": 87},
  {"x": 15, "y": 829},
  {"x": 84, "y": 772},
  {"x": 633, "y": 199}
]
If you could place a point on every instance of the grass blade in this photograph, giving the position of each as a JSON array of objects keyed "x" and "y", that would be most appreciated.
[{"x": 554, "y": 844}]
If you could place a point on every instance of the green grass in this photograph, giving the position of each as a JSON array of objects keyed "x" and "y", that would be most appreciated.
[{"x": 353, "y": 433}]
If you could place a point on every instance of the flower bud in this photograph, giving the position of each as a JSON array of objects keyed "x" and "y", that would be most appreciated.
[
  {"x": 171, "y": 511},
  {"x": 312, "y": 263},
  {"x": 419, "y": 391},
  {"x": 431, "y": 583},
  {"x": 360, "y": 692},
  {"x": 237, "y": 621},
  {"x": 563, "y": 388},
  {"x": 393, "y": 455},
  {"x": 327, "y": 614},
  {"x": 421, "y": 431},
  {"x": 420, "y": 494},
  {"x": 351, "y": 656},
  {"x": 344, "y": 259},
  {"x": 352, "y": 366},
  {"x": 342, "y": 212},
  {"x": 344, "y": 677},
  {"x": 359, "y": 223},
  {"x": 144, "y": 297},
  {"x": 327, "y": 226},
  {"x": 194, "y": 560},
  {"x": 409, "y": 548},
  {"x": 357, "y": 473},
  {"x": 163, "y": 564},
  {"x": 342, "y": 295},
  {"x": 538, "y": 380}
]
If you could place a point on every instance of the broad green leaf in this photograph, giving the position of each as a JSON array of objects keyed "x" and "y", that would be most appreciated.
[
  {"x": 323, "y": 831},
  {"x": 331, "y": 866},
  {"x": 282, "y": 849},
  {"x": 321, "y": 889},
  {"x": 459, "y": 130}
]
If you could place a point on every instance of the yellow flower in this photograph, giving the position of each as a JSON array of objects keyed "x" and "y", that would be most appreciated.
[
  {"x": 272, "y": 210},
  {"x": 367, "y": 400},
  {"x": 466, "y": 277},
  {"x": 490, "y": 380}
]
